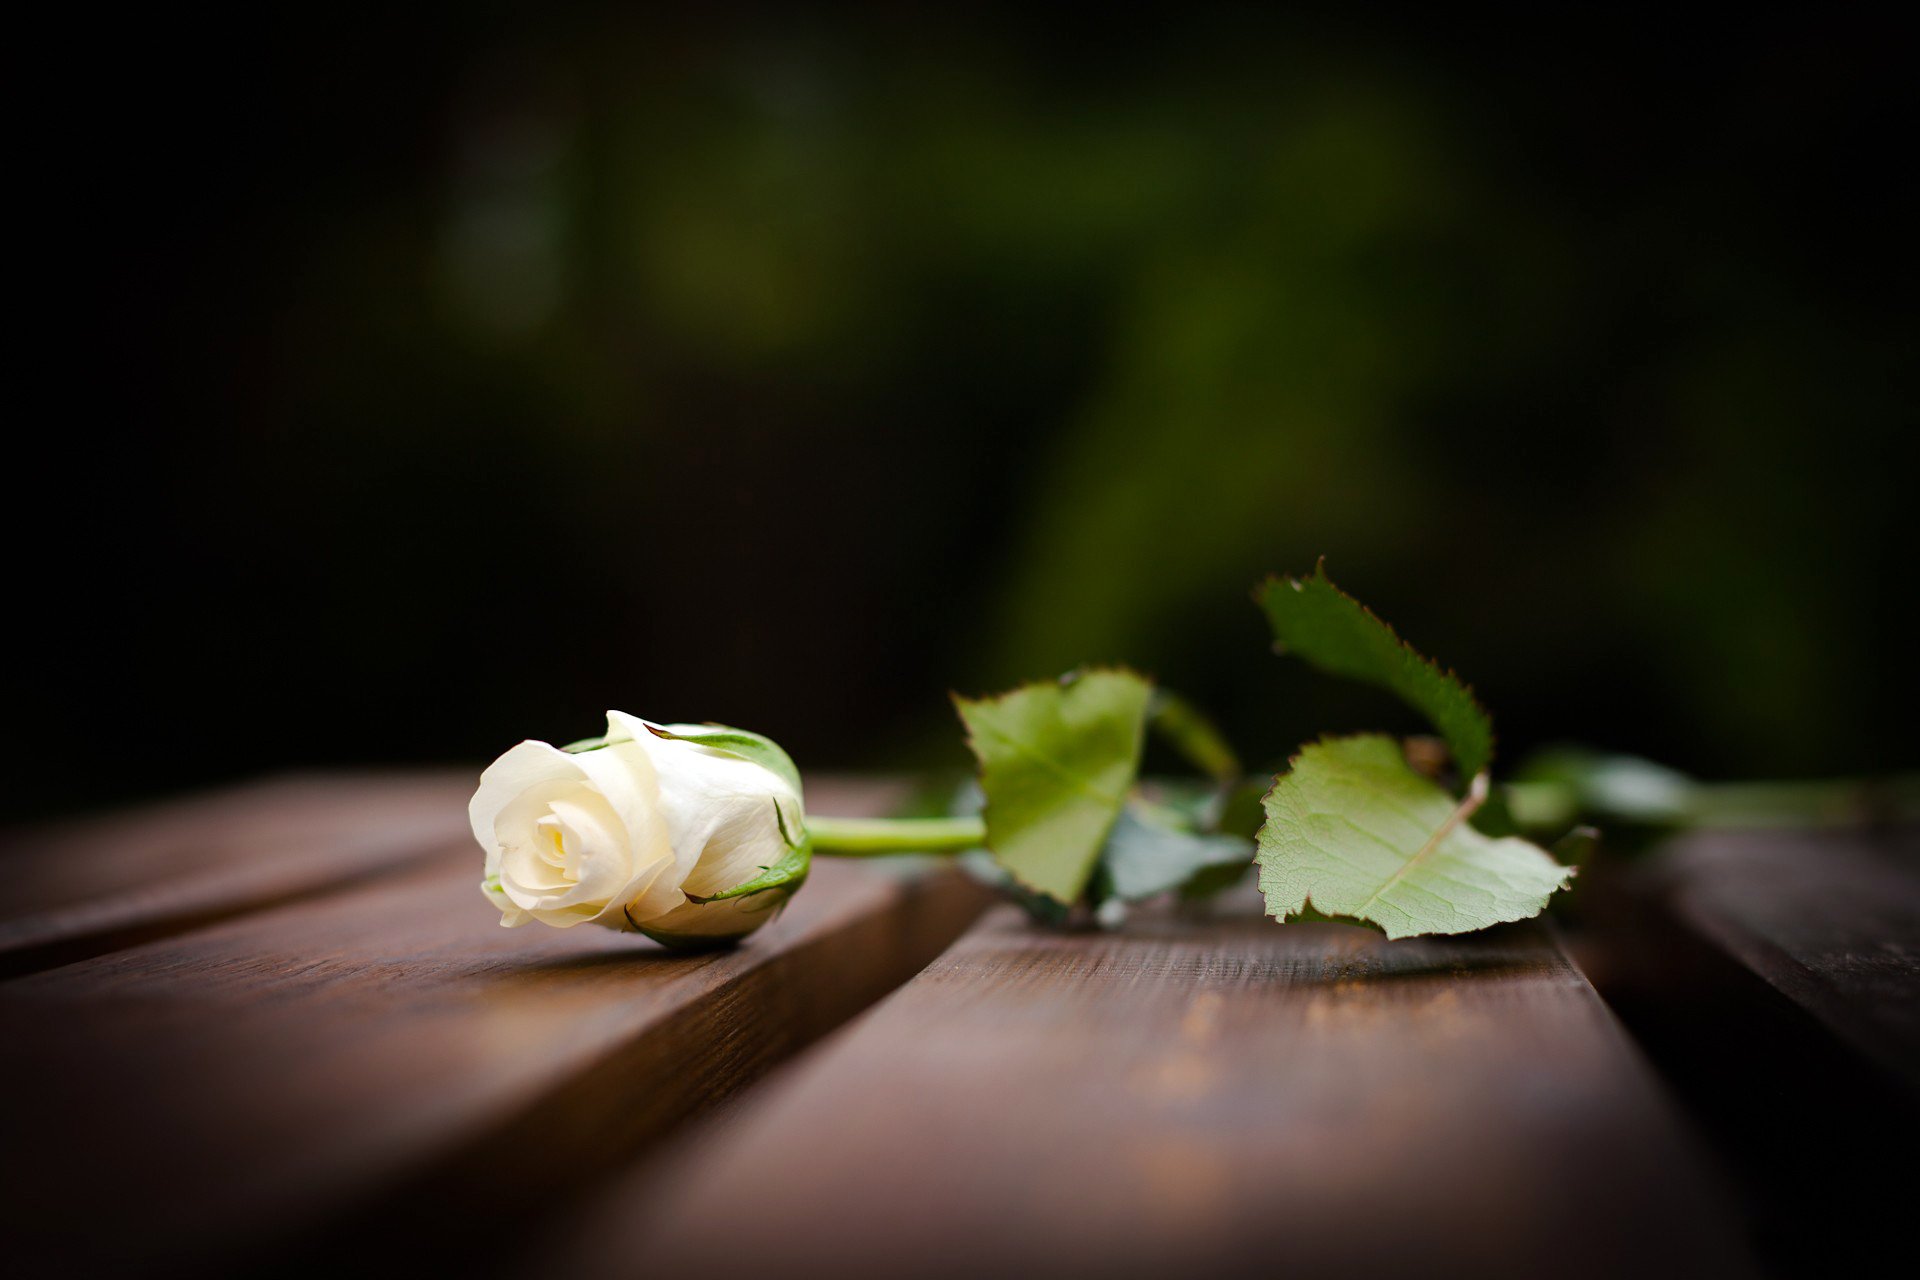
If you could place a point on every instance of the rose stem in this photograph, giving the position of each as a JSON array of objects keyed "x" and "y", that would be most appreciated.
[{"x": 873, "y": 837}]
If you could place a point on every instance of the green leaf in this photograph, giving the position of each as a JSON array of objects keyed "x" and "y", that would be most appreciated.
[
  {"x": 1211, "y": 882},
  {"x": 1566, "y": 781},
  {"x": 1057, "y": 759},
  {"x": 1336, "y": 633},
  {"x": 1190, "y": 804},
  {"x": 789, "y": 872},
  {"x": 1239, "y": 813},
  {"x": 1145, "y": 857},
  {"x": 1196, "y": 737},
  {"x": 1352, "y": 832},
  {"x": 1041, "y": 909},
  {"x": 762, "y": 751}
]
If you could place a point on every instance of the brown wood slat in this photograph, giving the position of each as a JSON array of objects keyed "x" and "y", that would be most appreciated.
[
  {"x": 378, "y": 1062},
  {"x": 1829, "y": 920},
  {"x": 1775, "y": 978},
  {"x": 1223, "y": 1099},
  {"x": 90, "y": 887}
]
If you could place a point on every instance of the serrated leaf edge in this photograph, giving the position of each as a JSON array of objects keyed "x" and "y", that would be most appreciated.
[
  {"x": 1273, "y": 580},
  {"x": 1453, "y": 823}
]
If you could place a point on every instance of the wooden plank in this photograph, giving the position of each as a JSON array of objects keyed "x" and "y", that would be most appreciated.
[
  {"x": 85, "y": 888},
  {"x": 1183, "y": 1098},
  {"x": 1828, "y": 919},
  {"x": 1774, "y": 976},
  {"x": 374, "y": 1063}
]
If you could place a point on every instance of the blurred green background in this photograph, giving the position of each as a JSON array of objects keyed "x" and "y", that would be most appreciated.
[{"x": 438, "y": 379}]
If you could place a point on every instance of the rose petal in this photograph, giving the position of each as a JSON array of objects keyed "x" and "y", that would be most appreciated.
[{"x": 507, "y": 779}]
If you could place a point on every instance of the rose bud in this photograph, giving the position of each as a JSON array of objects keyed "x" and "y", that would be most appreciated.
[{"x": 690, "y": 834}]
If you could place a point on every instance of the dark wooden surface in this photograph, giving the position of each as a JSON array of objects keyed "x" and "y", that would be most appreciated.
[
  {"x": 85, "y": 888},
  {"x": 277, "y": 1030},
  {"x": 1775, "y": 976},
  {"x": 1829, "y": 920},
  {"x": 362, "y": 1066},
  {"x": 1218, "y": 1098}
]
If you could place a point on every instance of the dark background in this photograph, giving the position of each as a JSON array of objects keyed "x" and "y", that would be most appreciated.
[{"x": 400, "y": 383}]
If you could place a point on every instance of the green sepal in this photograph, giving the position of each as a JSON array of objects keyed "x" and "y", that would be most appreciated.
[
  {"x": 789, "y": 872},
  {"x": 689, "y": 942},
  {"x": 760, "y": 750},
  {"x": 1317, "y": 621}
]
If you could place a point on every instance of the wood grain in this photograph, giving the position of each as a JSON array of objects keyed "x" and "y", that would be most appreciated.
[
  {"x": 84, "y": 888},
  {"x": 1222, "y": 1099},
  {"x": 373, "y": 1063},
  {"x": 1775, "y": 977},
  {"x": 1829, "y": 919}
]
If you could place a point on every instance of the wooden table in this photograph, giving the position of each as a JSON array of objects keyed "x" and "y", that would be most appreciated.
[{"x": 278, "y": 1029}]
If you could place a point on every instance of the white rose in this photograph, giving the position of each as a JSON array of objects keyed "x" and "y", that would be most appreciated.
[{"x": 630, "y": 834}]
